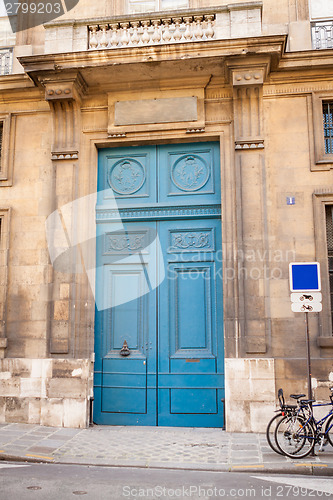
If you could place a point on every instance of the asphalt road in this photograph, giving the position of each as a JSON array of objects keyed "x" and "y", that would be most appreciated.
[{"x": 19, "y": 481}]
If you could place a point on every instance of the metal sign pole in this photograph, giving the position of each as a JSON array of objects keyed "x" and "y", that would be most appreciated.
[
  {"x": 305, "y": 285},
  {"x": 308, "y": 355}
]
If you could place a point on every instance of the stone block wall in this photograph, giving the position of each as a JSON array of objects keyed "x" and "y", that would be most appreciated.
[
  {"x": 51, "y": 392},
  {"x": 249, "y": 393}
]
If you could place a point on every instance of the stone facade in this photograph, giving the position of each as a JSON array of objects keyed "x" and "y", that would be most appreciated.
[
  {"x": 51, "y": 392},
  {"x": 247, "y": 75}
]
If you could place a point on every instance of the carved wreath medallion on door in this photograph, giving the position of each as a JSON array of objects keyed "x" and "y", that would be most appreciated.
[
  {"x": 190, "y": 173},
  {"x": 127, "y": 176}
]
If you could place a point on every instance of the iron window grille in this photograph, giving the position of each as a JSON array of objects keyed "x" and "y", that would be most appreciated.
[
  {"x": 328, "y": 126},
  {"x": 6, "y": 61},
  {"x": 1, "y": 136},
  {"x": 322, "y": 35}
]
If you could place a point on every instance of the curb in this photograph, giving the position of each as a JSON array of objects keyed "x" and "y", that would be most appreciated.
[{"x": 312, "y": 469}]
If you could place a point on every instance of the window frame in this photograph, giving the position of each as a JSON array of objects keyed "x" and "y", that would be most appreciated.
[
  {"x": 322, "y": 198},
  {"x": 324, "y": 161},
  {"x": 158, "y": 6},
  {"x": 7, "y": 149},
  {"x": 319, "y": 17}
]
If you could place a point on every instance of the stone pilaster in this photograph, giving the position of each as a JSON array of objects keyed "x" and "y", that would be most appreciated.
[
  {"x": 4, "y": 251},
  {"x": 247, "y": 77},
  {"x": 63, "y": 93}
]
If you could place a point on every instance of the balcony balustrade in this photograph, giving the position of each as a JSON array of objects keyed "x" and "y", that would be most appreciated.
[{"x": 155, "y": 31}]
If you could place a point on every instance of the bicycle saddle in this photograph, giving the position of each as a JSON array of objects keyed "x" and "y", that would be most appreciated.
[{"x": 297, "y": 396}]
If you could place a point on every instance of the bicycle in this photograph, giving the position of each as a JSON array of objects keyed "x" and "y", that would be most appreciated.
[
  {"x": 296, "y": 434},
  {"x": 285, "y": 409}
]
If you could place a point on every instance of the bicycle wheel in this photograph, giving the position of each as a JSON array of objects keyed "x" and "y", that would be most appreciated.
[
  {"x": 270, "y": 432},
  {"x": 329, "y": 430},
  {"x": 295, "y": 437}
]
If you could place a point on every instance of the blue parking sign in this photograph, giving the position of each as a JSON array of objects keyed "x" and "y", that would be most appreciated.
[{"x": 304, "y": 276}]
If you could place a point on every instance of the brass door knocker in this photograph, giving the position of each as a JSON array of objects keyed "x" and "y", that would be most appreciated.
[{"x": 124, "y": 351}]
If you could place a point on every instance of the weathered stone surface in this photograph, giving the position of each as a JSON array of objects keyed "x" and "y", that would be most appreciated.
[
  {"x": 52, "y": 412},
  {"x": 68, "y": 368},
  {"x": 250, "y": 386},
  {"x": 61, "y": 310},
  {"x": 65, "y": 387},
  {"x": 29, "y": 390},
  {"x": 75, "y": 413},
  {"x": 176, "y": 109},
  {"x": 17, "y": 410},
  {"x": 240, "y": 88}
]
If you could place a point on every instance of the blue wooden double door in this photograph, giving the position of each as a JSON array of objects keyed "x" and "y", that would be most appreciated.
[{"x": 159, "y": 319}]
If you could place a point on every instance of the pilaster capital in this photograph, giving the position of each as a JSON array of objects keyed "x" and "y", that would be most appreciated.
[
  {"x": 64, "y": 92},
  {"x": 69, "y": 86},
  {"x": 246, "y": 71}
]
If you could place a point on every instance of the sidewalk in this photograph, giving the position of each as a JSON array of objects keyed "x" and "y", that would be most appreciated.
[{"x": 155, "y": 447}]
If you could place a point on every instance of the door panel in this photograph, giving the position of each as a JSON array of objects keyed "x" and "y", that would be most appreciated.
[
  {"x": 130, "y": 174},
  {"x": 193, "y": 401},
  {"x": 190, "y": 300},
  {"x": 125, "y": 387},
  {"x": 173, "y": 327},
  {"x": 190, "y": 380},
  {"x": 188, "y": 174}
]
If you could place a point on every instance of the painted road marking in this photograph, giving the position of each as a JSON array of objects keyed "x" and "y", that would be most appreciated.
[
  {"x": 39, "y": 456},
  {"x": 317, "y": 484},
  {"x": 7, "y": 466},
  {"x": 247, "y": 466},
  {"x": 310, "y": 465}
]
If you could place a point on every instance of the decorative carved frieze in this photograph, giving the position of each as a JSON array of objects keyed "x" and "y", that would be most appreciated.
[
  {"x": 191, "y": 241},
  {"x": 157, "y": 213},
  {"x": 240, "y": 145},
  {"x": 65, "y": 156},
  {"x": 124, "y": 242},
  {"x": 195, "y": 130}
]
